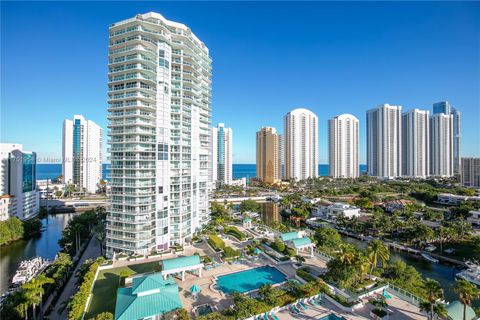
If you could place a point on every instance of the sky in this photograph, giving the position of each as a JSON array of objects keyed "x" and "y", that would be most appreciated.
[{"x": 268, "y": 58}]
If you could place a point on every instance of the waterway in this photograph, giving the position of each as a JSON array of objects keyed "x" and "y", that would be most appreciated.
[
  {"x": 45, "y": 246},
  {"x": 442, "y": 272}
]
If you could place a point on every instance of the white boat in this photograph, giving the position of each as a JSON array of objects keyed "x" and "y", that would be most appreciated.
[
  {"x": 471, "y": 274},
  {"x": 29, "y": 269},
  {"x": 428, "y": 257},
  {"x": 430, "y": 248}
]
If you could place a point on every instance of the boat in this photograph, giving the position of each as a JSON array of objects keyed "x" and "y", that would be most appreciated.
[
  {"x": 428, "y": 257},
  {"x": 430, "y": 248},
  {"x": 471, "y": 274},
  {"x": 29, "y": 269}
]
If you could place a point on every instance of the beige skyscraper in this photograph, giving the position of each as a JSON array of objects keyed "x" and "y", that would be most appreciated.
[{"x": 269, "y": 155}]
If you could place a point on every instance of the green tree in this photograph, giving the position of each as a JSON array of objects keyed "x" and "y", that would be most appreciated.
[
  {"x": 34, "y": 291},
  {"x": 466, "y": 293},
  {"x": 249, "y": 205},
  {"x": 434, "y": 292},
  {"x": 377, "y": 252},
  {"x": 327, "y": 237}
]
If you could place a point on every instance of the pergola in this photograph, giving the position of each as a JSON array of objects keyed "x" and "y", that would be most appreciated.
[
  {"x": 181, "y": 265},
  {"x": 302, "y": 244}
]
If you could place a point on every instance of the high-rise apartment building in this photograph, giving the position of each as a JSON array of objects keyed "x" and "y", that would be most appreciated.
[
  {"x": 446, "y": 108},
  {"x": 416, "y": 143},
  {"x": 384, "y": 147},
  {"x": 222, "y": 150},
  {"x": 441, "y": 145},
  {"x": 343, "y": 150},
  {"x": 269, "y": 155},
  {"x": 470, "y": 176},
  {"x": 82, "y": 153},
  {"x": 18, "y": 182},
  {"x": 159, "y": 128},
  {"x": 301, "y": 144}
]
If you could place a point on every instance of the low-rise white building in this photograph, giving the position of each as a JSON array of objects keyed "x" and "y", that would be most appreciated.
[
  {"x": 242, "y": 182},
  {"x": 474, "y": 218},
  {"x": 453, "y": 199},
  {"x": 330, "y": 212}
]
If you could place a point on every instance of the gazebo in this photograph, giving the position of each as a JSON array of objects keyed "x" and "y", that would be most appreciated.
[
  {"x": 181, "y": 265},
  {"x": 247, "y": 223},
  {"x": 302, "y": 244}
]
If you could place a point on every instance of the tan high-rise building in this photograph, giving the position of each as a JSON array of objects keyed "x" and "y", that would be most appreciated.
[{"x": 269, "y": 155}]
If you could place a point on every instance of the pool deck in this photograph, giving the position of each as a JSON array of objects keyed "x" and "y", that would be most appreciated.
[
  {"x": 400, "y": 310},
  {"x": 206, "y": 282}
]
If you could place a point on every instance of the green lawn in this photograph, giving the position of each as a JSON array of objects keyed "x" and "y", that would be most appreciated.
[{"x": 105, "y": 288}]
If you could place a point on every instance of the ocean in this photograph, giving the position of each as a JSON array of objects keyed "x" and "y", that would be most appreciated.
[{"x": 53, "y": 170}]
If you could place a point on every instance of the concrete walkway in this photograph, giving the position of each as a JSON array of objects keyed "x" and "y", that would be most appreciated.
[{"x": 60, "y": 311}]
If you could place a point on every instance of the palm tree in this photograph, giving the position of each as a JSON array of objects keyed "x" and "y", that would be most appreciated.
[
  {"x": 347, "y": 254},
  {"x": 34, "y": 290},
  {"x": 377, "y": 252},
  {"x": 434, "y": 292},
  {"x": 466, "y": 293}
]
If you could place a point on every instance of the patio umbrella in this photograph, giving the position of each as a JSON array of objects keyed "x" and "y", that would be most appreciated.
[{"x": 195, "y": 289}]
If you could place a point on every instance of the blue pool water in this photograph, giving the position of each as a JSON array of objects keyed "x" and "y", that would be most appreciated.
[{"x": 249, "y": 280}]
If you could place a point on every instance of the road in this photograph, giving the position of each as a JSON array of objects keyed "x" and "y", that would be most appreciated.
[{"x": 60, "y": 311}]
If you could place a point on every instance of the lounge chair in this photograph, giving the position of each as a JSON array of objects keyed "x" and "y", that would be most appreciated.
[
  {"x": 302, "y": 306},
  {"x": 314, "y": 302},
  {"x": 273, "y": 316},
  {"x": 295, "y": 310},
  {"x": 292, "y": 310}
]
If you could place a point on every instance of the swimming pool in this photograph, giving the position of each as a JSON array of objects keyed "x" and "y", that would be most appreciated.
[{"x": 250, "y": 279}]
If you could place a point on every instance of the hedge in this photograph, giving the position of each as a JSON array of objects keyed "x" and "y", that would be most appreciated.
[
  {"x": 235, "y": 232},
  {"x": 305, "y": 275},
  {"x": 230, "y": 252},
  {"x": 216, "y": 242},
  {"x": 77, "y": 303}
]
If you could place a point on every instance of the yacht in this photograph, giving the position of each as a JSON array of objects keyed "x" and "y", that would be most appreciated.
[
  {"x": 428, "y": 257},
  {"x": 471, "y": 274},
  {"x": 29, "y": 269}
]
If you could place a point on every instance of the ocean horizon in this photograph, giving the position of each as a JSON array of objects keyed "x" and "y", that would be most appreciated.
[{"x": 240, "y": 170}]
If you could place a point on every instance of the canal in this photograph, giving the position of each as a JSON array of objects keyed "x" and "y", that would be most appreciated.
[
  {"x": 45, "y": 246},
  {"x": 443, "y": 273}
]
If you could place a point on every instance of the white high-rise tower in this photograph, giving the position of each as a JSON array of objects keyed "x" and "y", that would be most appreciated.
[
  {"x": 441, "y": 146},
  {"x": 159, "y": 120},
  {"x": 416, "y": 143},
  {"x": 301, "y": 144},
  {"x": 343, "y": 146},
  {"x": 384, "y": 147},
  {"x": 446, "y": 108},
  {"x": 82, "y": 153},
  {"x": 222, "y": 150}
]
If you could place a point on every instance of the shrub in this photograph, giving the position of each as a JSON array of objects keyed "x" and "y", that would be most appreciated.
[
  {"x": 302, "y": 273},
  {"x": 379, "y": 312},
  {"x": 230, "y": 252},
  {"x": 216, "y": 242},
  {"x": 278, "y": 245},
  {"x": 233, "y": 231}
]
